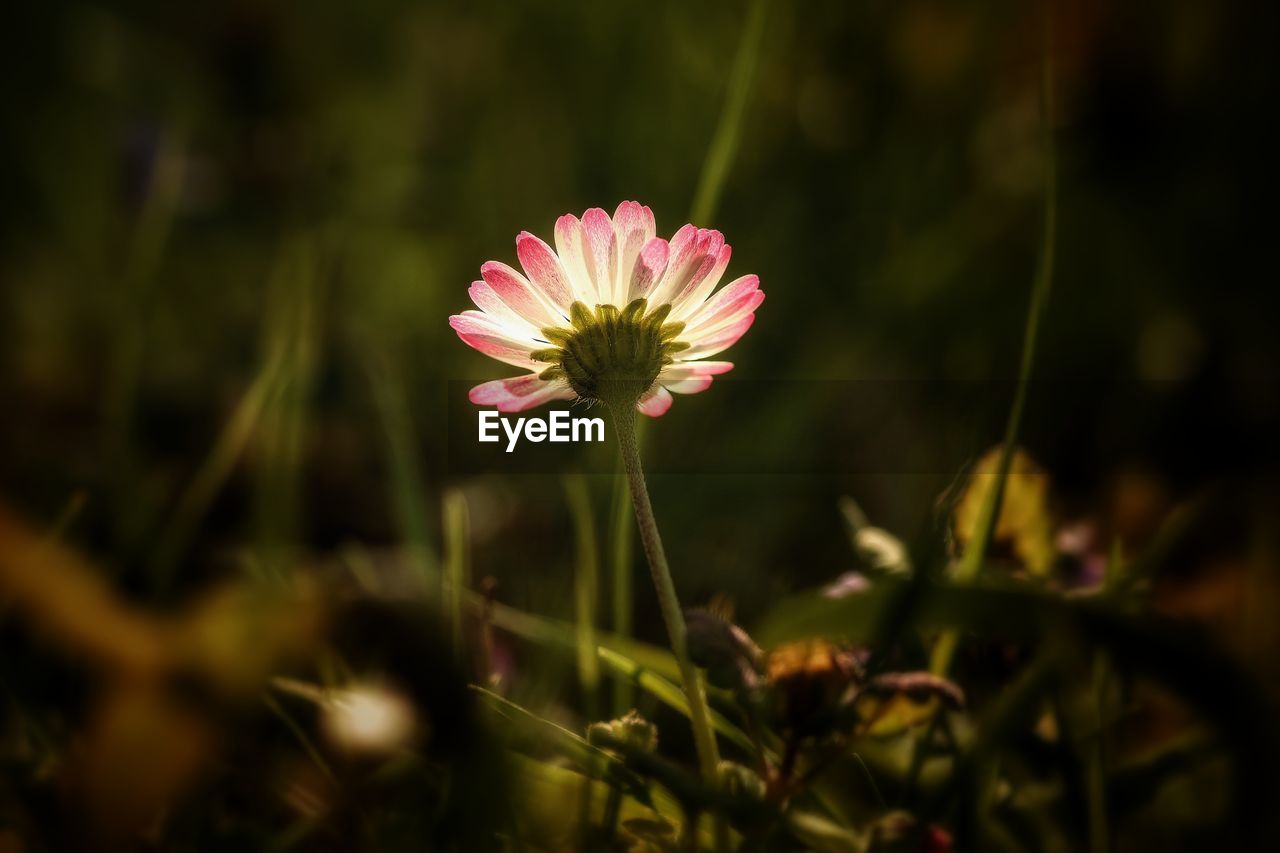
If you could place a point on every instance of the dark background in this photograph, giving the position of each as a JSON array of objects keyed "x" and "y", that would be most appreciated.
[
  {"x": 162, "y": 164},
  {"x": 231, "y": 236}
]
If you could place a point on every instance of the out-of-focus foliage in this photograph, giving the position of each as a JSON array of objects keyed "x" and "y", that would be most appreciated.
[{"x": 249, "y": 595}]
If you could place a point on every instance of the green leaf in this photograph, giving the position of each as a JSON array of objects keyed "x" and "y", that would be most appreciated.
[
  {"x": 670, "y": 694},
  {"x": 544, "y": 791},
  {"x": 600, "y": 763},
  {"x": 822, "y": 835},
  {"x": 557, "y": 633}
]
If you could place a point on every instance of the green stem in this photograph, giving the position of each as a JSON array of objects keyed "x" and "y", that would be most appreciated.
[
  {"x": 403, "y": 465},
  {"x": 622, "y": 541},
  {"x": 715, "y": 168},
  {"x": 457, "y": 559},
  {"x": 975, "y": 550},
  {"x": 704, "y": 739}
]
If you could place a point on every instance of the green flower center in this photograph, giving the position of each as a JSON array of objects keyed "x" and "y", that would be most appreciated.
[{"x": 610, "y": 355}]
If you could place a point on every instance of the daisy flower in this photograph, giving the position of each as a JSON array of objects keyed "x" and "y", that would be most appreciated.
[{"x": 614, "y": 313}]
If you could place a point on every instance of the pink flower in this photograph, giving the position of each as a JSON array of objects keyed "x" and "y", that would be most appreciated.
[{"x": 614, "y": 312}]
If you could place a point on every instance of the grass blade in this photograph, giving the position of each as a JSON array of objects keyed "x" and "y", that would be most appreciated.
[
  {"x": 670, "y": 694},
  {"x": 975, "y": 552},
  {"x": 556, "y": 633},
  {"x": 648, "y": 667},
  {"x": 290, "y": 334},
  {"x": 597, "y": 762},
  {"x": 127, "y": 356},
  {"x": 724, "y": 144},
  {"x": 622, "y": 560},
  {"x": 212, "y": 475},
  {"x": 586, "y": 582},
  {"x": 404, "y": 467},
  {"x": 457, "y": 559}
]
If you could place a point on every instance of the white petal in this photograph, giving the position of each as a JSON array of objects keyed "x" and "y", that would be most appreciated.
[
  {"x": 521, "y": 295},
  {"x": 648, "y": 270},
  {"x": 655, "y": 402},
  {"x": 705, "y": 281},
  {"x": 706, "y": 261},
  {"x": 571, "y": 246},
  {"x": 488, "y": 301},
  {"x": 688, "y": 369},
  {"x": 519, "y": 393},
  {"x": 633, "y": 229},
  {"x": 726, "y": 306},
  {"x": 544, "y": 269},
  {"x": 679, "y": 261},
  {"x": 720, "y": 340},
  {"x": 693, "y": 385},
  {"x": 600, "y": 252},
  {"x": 485, "y": 334}
]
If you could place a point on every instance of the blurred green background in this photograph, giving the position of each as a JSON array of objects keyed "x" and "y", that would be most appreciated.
[
  {"x": 163, "y": 165},
  {"x": 233, "y": 234}
]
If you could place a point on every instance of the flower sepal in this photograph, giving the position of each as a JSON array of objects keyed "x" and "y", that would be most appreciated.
[{"x": 610, "y": 355}]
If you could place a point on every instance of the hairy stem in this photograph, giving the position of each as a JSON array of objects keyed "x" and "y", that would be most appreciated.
[{"x": 624, "y": 422}]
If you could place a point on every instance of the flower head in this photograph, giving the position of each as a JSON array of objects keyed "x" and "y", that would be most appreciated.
[{"x": 614, "y": 313}]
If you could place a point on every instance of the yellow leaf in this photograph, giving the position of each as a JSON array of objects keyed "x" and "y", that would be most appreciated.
[{"x": 1025, "y": 524}]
